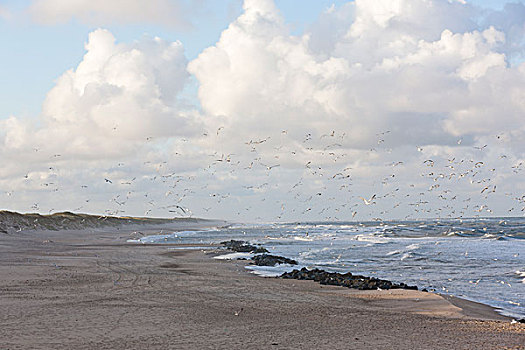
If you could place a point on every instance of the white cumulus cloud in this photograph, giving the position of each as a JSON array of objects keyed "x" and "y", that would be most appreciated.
[
  {"x": 400, "y": 65},
  {"x": 118, "y": 96}
]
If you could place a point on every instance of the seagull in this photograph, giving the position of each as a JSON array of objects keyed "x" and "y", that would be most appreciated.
[
  {"x": 328, "y": 135},
  {"x": 478, "y": 164},
  {"x": 181, "y": 208},
  {"x": 369, "y": 201}
]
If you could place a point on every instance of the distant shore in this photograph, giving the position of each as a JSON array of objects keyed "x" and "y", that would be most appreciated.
[
  {"x": 90, "y": 289},
  {"x": 12, "y": 222}
]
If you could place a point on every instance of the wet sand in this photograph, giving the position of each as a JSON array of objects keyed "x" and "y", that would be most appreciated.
[{"x": 92, "y": 290}]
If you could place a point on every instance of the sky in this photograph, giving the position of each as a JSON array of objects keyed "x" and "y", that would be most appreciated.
[{"x": 263, "y": 110}]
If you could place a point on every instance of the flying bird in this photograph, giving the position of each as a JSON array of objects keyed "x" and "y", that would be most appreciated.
[{"x": 369, "y": 201}]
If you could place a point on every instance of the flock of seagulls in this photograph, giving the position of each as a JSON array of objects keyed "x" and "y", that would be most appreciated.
[{"x": 311, "y": 176}]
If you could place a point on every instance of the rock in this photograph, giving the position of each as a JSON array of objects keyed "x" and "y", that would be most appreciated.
[
  {"x": 345, "y": 280},
  {"x": 243, "y": 247},
  {"x": 271, "y": 260}
]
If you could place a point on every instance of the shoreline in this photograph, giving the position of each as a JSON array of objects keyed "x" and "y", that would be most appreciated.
[
  {"x": 468, "y": 308},
  {"x": 92, "y": 289}
]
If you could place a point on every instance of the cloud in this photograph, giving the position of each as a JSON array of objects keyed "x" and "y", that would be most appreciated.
[
  {"x": 100, "y": 12},
  {"x": 119, "y": 115},
  {"x": 368, "y": 85},
  {"x": 511, "y": 21},
  {"x": 395, "y": 65},
  {"x": 394, "y": 98},
  {"x": 116, "y": 98}
]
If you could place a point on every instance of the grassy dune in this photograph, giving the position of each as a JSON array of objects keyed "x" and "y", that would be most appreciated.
[{"x": 11, "y": 222}]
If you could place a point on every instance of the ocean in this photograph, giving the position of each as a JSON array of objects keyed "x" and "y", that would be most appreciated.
[{"x": 477, "y": 259}]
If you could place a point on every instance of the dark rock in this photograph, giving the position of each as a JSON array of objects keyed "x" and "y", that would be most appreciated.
[
  {"x": 271, "y": 260},
  {"x": 260, "y": 250},
  {"x": 243, "y": 247},
  {"x": 345, "y": 280}
]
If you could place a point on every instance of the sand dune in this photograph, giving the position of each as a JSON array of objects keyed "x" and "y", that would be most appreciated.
[{"x": 11, "y": 222}]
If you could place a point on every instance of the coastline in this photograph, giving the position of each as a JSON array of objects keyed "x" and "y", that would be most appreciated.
[{"x": 92, "y": 289}]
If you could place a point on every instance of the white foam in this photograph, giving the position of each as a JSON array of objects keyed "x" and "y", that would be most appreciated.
[
  {"x": 306, "y": 239},
  {"x": 155, "y": 239},
  {"x": 371, "y": 239},
  {"x": 394, "y": 252},
  {"x": 271, "y": 271},
  {"x": 234, "y": 256},
  {"x": 406, "y": 256},
  {"x": 192, "y": 248},
  {"x": 521, "y": 274},
  {"x": 413, "y": 246},
  {"x": 490, "y": 236}
]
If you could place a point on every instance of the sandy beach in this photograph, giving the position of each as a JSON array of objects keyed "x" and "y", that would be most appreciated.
[{"x": 93, "y": 290}]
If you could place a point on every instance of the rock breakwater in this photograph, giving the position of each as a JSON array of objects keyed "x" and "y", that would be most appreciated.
[
  {"x": 323, "y": 277},
  {"x": 344, "y": 280}
]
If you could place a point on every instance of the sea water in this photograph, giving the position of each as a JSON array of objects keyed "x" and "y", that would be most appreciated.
[{"x": 481, "y": 260}]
